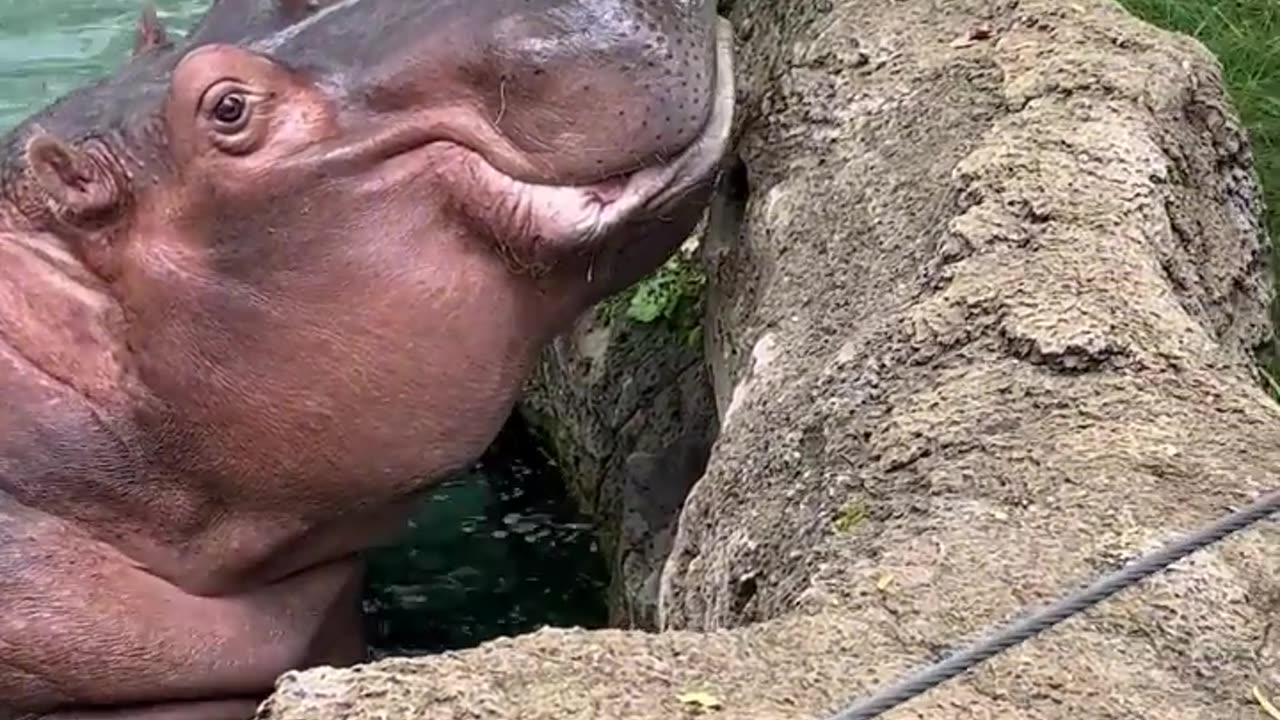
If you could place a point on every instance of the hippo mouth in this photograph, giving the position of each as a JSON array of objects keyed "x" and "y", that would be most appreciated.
[{"x": 535, "y": 221}]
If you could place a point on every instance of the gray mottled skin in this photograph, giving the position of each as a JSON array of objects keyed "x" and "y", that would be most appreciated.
[{"x": 266, "y": 283}]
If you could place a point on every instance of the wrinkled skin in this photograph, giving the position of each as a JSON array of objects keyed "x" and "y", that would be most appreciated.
[{"x": 267, "y": 283}]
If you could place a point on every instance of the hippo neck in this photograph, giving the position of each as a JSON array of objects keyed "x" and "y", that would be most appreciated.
[
  {"x": 60, "y": 316},
  {"x": 70, "y": 447}
]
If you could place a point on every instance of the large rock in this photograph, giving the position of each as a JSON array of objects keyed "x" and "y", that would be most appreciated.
[{"x": 985, "y": 332}]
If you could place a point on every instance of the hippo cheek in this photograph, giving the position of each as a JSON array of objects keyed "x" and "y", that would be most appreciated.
[{"x": 381, "y": 338}]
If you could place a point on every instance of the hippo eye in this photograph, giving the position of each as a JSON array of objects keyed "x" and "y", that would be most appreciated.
[
  {"x": 231, "y": 112},
  {"x": 228, "y": 110}
]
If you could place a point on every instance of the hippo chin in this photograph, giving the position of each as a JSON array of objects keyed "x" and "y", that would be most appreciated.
[{"x": 270, "y": 281}]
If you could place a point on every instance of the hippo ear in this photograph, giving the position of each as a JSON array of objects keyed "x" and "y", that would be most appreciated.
[
  {"x": 150, "y": 33},
  {"x": 79, "y": 190}
]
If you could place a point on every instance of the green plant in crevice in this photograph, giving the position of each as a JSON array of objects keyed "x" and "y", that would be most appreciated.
[
  {"x": 850, "y": 516},
  {"x": 671, "y": 296},
  {"x": 674, "y": 288}
]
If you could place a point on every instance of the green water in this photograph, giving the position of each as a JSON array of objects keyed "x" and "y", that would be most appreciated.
[
  {"x": 496, "y": 551},
  {"x": 48, "y": 47}
]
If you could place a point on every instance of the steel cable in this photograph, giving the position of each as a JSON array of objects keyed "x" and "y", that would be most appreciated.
[{"x": 997, "y": 641}]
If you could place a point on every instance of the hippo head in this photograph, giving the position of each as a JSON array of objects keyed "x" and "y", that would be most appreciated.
[{"x": 307, "y": 255}]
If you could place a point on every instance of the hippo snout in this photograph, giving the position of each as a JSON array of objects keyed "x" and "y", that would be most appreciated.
[
  {"x": 604, "y": 86},
  {"x": 552, "y": 91}
]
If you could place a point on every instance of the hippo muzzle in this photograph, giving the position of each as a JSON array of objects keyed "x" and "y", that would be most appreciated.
[
  {"x": 267, "y": 284},
  {"x": 550, "y": 91}
]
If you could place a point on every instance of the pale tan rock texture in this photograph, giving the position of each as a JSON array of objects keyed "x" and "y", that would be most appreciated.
[{"x": 983, "y": 330}]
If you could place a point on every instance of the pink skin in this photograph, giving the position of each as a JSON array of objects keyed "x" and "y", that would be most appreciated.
[{"x": 230, "y": 370}]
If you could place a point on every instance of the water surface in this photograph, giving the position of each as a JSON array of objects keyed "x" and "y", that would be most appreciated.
[{"x": 48, "y": 47}]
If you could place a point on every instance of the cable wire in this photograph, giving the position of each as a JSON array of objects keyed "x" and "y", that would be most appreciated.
[{"x": 997, "y": 641}]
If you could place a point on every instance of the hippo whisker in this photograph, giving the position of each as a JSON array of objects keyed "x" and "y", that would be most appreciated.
[{"x": 502, "y": 99}]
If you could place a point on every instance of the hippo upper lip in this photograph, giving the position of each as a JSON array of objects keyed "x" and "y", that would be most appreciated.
[
  {"x": 624, "y": 190},
  {"x": 500, "y": 153}
]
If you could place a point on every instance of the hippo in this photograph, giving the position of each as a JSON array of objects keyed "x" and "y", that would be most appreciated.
[{"x": 272, "y": 279}]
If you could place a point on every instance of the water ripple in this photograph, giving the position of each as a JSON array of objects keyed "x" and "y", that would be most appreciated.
[{"x": 49, "y": 48}]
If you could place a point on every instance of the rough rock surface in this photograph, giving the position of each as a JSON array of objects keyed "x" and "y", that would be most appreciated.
[
  {"x": 985, "y": 332},
  {"x": 626, "y": 408}
]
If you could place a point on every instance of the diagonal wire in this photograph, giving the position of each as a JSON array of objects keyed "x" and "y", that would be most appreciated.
[{"x": 997, "y": 641}]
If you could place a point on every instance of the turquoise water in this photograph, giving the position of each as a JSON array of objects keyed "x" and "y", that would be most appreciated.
[
  {"x": 48, "y": 47},
  {"x": 495, "y": 551}
]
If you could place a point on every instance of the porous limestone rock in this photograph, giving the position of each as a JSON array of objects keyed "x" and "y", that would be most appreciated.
[{"x": 983, "y": 330}]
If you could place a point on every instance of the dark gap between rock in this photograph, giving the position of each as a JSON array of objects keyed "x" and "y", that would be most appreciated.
[{"x": 498, "y": 550}]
